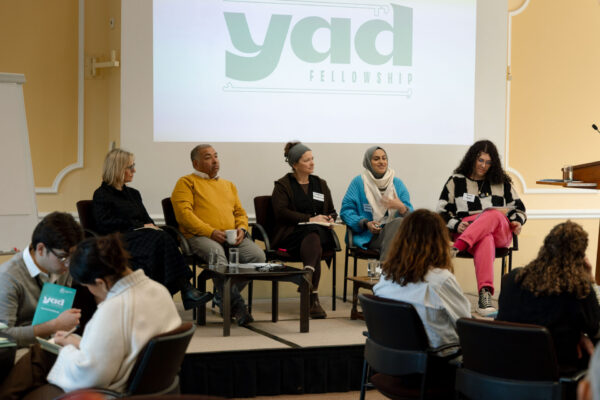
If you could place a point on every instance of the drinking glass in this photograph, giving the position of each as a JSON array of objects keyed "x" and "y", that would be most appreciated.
[
  {"x": 234, "y": 260},
  {"x": 213, "y": 258},
  {"x": 372, "y": 266}
]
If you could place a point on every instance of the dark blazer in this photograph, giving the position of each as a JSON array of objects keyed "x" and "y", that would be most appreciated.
[
  {"x": 118, "y": 210},
  {"x": 286, "y": 215}
]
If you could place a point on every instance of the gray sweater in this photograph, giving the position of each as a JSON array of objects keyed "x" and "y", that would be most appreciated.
[{"x": 19, "y": 294}]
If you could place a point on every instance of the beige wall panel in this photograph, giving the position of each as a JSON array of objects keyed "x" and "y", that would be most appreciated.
[
  {"x": 39, "y": 40},
  {"x": 554, "y": 89},
  {"x": 101, "y": 107}
]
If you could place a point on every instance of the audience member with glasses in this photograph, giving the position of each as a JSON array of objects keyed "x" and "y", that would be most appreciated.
[
  {"x": 21, "y": 279},
  {"x": 132, "y": 310},
  {"x": 119, "y": 208}
]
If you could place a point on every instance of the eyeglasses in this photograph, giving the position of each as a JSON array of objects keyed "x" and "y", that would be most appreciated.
[
  {"x": 131, "y": 167},
  {"x": 62, "y": 258}
]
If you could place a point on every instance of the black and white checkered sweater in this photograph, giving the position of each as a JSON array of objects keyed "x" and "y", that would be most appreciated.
[{"x": 454, "y": 205}]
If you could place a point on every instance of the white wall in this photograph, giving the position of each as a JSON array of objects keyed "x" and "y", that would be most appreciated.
[
  {"x": 254, "y": 166},
  {"x": 18, "y": 211}
]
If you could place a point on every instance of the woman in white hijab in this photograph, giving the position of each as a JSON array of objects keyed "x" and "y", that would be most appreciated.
[{"x": 375, "y": 202}]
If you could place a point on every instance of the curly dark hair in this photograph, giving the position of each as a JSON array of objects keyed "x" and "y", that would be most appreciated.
[
  {"x": 560, "y": 266},
  {"x": 495, "y": 174},
  {"x": 421, "y": 243}
]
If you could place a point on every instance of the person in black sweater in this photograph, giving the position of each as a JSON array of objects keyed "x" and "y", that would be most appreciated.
[
  {"x": 555, "y": 290},
  {"x": 119, "y": 208}
]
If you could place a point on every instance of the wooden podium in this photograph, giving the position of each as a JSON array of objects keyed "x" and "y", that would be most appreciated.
[{"x": 585, "y": 176}]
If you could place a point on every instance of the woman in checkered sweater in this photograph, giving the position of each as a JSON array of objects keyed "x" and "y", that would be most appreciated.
[{"x": 482, "y": 210}]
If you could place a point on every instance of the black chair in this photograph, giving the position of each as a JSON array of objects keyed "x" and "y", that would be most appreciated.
[
  {"x": 265, "y": 227},
  {"x": 356, "y": 253},
  {"x": 156, "y": 370},
  {"x": 85, "y": 211},
  {"x": 503, "y": 360},
  {"x": 501, "y": 252},
  {"x": 396, "y": 346},
  {"x": 173, "y": 226}
]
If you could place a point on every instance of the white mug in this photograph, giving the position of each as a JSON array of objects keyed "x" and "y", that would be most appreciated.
[{"x": 231, "y": 236}]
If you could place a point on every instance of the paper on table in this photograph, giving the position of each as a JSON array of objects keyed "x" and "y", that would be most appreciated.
[
  {"x": 50, "y": 346},
  {"x": 318, "y": 223},
  {"x": 6, "y": 342},
  {"x": 258, "y": 265}
]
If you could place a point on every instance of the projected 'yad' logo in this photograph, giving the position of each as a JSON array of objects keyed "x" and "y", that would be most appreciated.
[{"x": 349, "y": 54}]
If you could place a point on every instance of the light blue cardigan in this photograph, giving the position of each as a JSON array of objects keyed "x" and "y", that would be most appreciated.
[{"x": 353, "y": 208}]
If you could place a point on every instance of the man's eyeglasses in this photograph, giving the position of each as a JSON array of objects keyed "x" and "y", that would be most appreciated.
[
  {"x": 131, "y": 167},
  {"x": 63, "y": 258}
]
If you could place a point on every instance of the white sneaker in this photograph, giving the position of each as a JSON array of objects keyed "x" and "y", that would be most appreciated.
[{"x": 484, "y": 305}]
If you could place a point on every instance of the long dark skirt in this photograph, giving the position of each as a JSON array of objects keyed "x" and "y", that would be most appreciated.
[
  {"x": 293, "y": 241},
  {"x": 157, "y": 253}
]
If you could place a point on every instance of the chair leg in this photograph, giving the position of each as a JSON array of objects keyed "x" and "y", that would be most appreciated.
[
  {"x": 333, "y": 279},
  {"x": 363, "y": 382},
  {"x": 345, "y": 273},
  {"x": 195, "y": 311},
  {"x": 250, "y": 290},
  {"x": 510, "y": 261},
  {"x": 424, "y": 383},
  {"x": 503, "y": 270}
]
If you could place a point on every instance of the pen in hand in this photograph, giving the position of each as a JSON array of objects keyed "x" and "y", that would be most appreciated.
[{"x": 71, "y": 331}]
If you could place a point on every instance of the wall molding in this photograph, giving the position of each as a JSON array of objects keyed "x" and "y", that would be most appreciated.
[
  {"x": 80, "y": 99},
  {"x": 516, "y": 173}
]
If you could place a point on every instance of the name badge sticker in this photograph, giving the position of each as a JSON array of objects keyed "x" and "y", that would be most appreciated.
[
  {"x": 367, "y": 207},
  {"x": 469, "y": 197},
  {"x": 318, "y": 196}
]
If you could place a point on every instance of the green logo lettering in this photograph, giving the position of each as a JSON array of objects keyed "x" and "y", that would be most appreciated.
[
  {"x": 259, "y": 61},
  {"x": 264, "y": 63},
  {"x": 366, "y": 35}
]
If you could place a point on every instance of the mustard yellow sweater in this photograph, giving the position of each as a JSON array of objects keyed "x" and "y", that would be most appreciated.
[{"x": 203, "y": 205}]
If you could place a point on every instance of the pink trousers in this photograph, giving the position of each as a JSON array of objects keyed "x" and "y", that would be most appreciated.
[{"x": 487, "y": 231}]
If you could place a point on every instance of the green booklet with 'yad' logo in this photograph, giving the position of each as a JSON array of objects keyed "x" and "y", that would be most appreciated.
[{"x": 53, "y": 300}]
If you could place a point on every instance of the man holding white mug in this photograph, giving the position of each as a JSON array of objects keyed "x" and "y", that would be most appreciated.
[{"x": 210, "y": 215}]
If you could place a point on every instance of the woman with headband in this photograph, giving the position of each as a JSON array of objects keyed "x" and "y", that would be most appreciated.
[
  {"x": 300, "y": 198},
  {"x": 374, "y": 203}
]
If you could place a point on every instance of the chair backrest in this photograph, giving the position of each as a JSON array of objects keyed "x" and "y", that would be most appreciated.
[
  {"x": 159, "y": 361},
  {"x": 85, "y": 209},
  {"x": 393, "y": 324},
  {"x": 508, "y": 350},
  {"x": 169, "y": 213},
  {"x": 263, "y": 207}
]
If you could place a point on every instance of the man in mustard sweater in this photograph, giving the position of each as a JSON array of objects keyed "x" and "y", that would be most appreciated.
[{"x": 205, "y": 207}]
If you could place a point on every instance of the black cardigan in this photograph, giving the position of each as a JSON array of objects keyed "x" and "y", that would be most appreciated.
[
  {"x": 118, "y": 210},
  {"x": 287, "y": 217}
]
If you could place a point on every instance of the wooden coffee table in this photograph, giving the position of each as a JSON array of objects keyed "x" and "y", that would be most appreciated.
[
  {"x": 287, "y": 274},
  {"x": 359, "y": 282}
]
